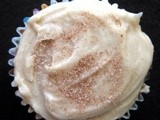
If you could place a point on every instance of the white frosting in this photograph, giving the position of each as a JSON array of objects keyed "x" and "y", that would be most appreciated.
[{"x": 82, "y": 60}]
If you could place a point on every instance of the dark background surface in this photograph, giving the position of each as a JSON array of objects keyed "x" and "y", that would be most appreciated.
[{"x": 11, "y": 15}]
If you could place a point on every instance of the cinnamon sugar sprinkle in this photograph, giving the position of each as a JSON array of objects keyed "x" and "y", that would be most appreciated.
[{"x": 68, "y": 81}]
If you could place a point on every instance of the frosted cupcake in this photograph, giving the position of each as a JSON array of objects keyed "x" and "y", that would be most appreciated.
[{"x": 84, "y": 59}]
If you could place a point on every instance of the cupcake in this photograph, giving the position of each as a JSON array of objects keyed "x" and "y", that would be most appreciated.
[{"x": 84, "y": 59}]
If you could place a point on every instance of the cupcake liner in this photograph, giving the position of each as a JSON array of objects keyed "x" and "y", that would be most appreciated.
[{"x": 12, "y": 51}]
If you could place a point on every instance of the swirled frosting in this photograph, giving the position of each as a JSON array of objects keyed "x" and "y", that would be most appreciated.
[{"x": 82, "y": 60}]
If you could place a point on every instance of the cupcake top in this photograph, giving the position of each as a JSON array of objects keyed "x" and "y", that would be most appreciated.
[{"x": 82, "y": 59}]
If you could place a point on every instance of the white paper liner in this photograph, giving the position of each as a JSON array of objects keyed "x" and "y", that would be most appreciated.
[{"x": 12, "y": 51}]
